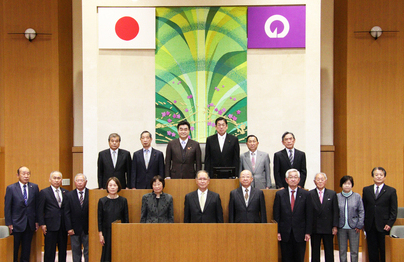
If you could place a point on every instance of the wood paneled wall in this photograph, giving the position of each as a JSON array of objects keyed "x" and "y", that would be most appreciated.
[
  {"x": 369, "y": 93},
  {"x": 36, "y": 90}
]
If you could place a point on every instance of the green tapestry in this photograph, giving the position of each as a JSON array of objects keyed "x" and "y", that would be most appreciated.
[{"x": 201, "y": 70}]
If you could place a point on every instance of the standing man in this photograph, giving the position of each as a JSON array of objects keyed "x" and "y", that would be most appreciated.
[
  {"x": 114, "y": 162},
  {"x": 222, "y": 149},
  {"x": 183, "y": 155},
  {"x": 76, "y": 215},
  {"x": 203, "y": 205},
  {"x": 258, "y": 163},
  {"x": 289, "y": 158},
  {"x": 147, "y": 163},
  {"x": 51, "y": 218},
  {"x": 380, "y": 204},
  {"x": 294, "y": 214},
  {"x": 247, "y": 204},
  {"x": 20, "y": 211},
  {"x": 325, "y": 219}
]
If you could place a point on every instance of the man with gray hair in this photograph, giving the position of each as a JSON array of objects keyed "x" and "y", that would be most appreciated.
[
  {"x": 51, "y": 218},
  {"x": 325, "y": 219},
  {"x": 76, "y": 217},
  {"x": 203, "y": 205},
  {"x": 294, "y": 215},
  {"x": 114, "y": 162}
]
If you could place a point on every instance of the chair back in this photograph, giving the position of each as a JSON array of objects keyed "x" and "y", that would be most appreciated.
[
  {"x": 398, "y": 231},
  {"x": 400, "y": 212},
  {"x": 4, "y": 232}
]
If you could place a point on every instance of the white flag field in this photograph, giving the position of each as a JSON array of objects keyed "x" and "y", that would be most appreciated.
[{"x": 126, "y": 28}]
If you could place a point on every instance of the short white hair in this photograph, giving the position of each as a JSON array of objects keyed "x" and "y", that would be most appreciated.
[
  {"x": 320, "y": 173},
  {"x": 55, "y": 172},
  {"x": 292, "y": 170},
  {"x": 80, "y": 174}
]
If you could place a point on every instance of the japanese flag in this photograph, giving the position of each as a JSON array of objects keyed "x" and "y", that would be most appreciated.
[{"x": 126, "y": 28}]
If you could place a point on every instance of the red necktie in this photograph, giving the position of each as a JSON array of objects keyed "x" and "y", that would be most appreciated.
[{"x": 292, "y": 201}]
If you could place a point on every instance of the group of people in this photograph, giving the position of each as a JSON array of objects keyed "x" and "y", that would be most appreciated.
[
  {"x": 183, "y": 159},
  {"x": 301, "y": 215},
  {"x": 54, "y": 210},
  {"x": 320, "y": 214}
]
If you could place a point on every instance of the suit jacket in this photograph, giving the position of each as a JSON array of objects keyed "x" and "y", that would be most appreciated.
[
  {"x": 179, "y": 166},
  {"x": 106, "y": 167},
  {"x": 163, "y": 212},
  {"x": 16, "y": 212},
  {"x": 212, "y": 212},
  {"x": 76, "y": 216},
  {"x": 255, "y": 212},
  {"x": 326, "y": 214},
  {"x": 282, "y": 164},
  {"x": 300, "y": 220},
  {"x": 262, "y": 172},
  {"x": 49, "y": 212},
  {"x": 229, "y": 157},
  {"x": 383, "y": 210},
  {"x": 140, "y": 176}
]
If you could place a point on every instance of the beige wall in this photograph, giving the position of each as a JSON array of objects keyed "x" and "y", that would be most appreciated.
[{"x": 125, "y": 78}]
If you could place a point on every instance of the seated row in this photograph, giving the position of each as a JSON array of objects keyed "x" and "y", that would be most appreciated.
[{"x": 183, "y": 159}]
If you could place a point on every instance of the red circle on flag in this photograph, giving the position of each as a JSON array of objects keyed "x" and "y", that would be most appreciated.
[{"x": 127, "y": 28}]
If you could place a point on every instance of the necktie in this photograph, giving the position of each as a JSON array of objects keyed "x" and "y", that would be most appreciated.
[
  {"x": 58, "y": 198},
  {"x": 291, "y": 156},
  {"x": 183, "y": 144},
  {"x": 114, "y": 157},
  {"x": 25, "y": 195},
  {"x": 253, "y": 160},
  {"x": 292, "y": 200},
  {"x": 321, "y": 196},
  {"x": 81, "y": 198},
  {"x": 202, "y": 201},
  {"x": 246, "y": 194},
  {"x": 377, "y": 191},
  {"x": 147, "y": 158}
]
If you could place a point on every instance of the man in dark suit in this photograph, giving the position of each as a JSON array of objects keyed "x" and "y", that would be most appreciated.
[
  {"x": 222, "y": 149},
  {"x": 183, "y": 155},
  {"x": 203, "y": 205},
  {"x": 147, "y": 163},
  {"x": 114, "y": 162},
  {"x": 289, "y": 158},
  {"x": 380, "y": 204},
  {"x": 247, "y": 204},
  {"x": 325, "y": 219},
  {"x": 51, "y": 218},
  {"x": 20, "y": 211},
  {"x": 258, "y": 163},
  {"x": 294, "y": 214},
  {"x": 76, "y": 217}
]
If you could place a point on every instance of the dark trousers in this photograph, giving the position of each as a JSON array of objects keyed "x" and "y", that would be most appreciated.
[
  {"x": 24, "y": 239},
  {"x": 293, "y": 251},
  {"x": 51, "y": 239},
  {"x": 376, "y": 244},
  {"x": 328, "y": 247}
]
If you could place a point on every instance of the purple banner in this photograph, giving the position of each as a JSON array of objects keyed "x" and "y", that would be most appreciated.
[{"x": 277, "y": 27}]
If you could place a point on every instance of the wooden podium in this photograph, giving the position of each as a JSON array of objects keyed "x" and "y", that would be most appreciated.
[{"x": 186, "y": 242}]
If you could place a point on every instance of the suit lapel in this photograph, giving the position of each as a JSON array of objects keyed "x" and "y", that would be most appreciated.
[
  {"x": 252, "y": 195},
  {"x": 298, "y": 198},
  {"x": 208, "y": 200},
  {"x": 248, "y": 159},
  {"x": 196, "y": 200},
  {"x": 18, "y": 191},
  {"x": 285, "y": 154},
  {"x": 109, "y": 158},
  {"x": 381, "y": 192},
  {"x": 258, "y": 159},
  {"x": 52, "y": 196}
]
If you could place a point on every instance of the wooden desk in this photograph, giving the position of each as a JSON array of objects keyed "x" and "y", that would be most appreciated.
[{"x": 194, "y": 242}]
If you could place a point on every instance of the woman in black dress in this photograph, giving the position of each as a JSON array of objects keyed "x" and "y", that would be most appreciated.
[{"x": 110, "y": 208}]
